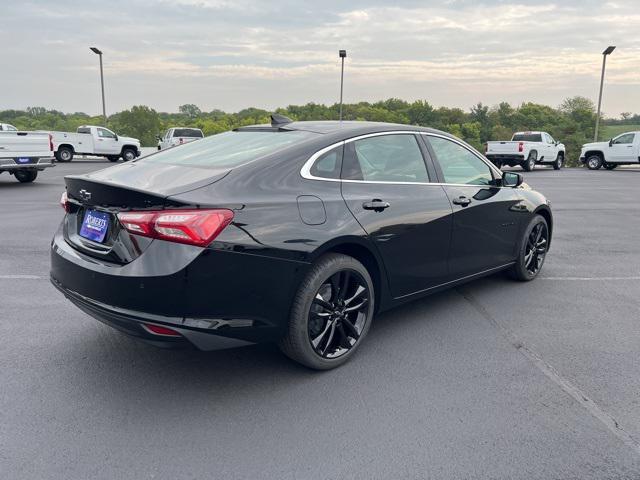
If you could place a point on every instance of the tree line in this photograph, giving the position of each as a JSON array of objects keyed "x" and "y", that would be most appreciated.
[{"x": 572, "y": 122}]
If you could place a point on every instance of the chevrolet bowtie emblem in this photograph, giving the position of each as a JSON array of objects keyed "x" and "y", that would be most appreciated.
[{"x": 84, "y": 194}]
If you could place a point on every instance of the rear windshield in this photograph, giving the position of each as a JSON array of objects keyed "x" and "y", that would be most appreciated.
[
  {"x": 527, "y": 137},
  {"x": 187, "y": 132},
  {"x": 229, "y": 149}
]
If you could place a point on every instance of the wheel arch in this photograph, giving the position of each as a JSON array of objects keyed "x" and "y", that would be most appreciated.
[
  {"x": 128, "y": 147},
  {"x": 361, "y": 250},
  {"x": 66, "y": 145},
  {"x": 545, "y": 212},
  {"x": 590, "y": 153}
]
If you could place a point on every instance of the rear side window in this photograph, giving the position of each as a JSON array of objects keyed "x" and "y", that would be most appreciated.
[
  {"x": 527, "y": 137},
  {"x": 84, "y": 130},
  {"x": 229, "y": 149},
  {"x": 328, "y": 165},
  {"x": 459, "y": 165},
  {"x": 187, "y": 132},
  {"x": 386, "y": 158}
]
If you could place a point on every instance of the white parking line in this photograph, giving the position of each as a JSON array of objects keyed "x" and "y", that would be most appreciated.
[
  {"x": 590, "y": 279},
  {"x": 20, "y": 277}
]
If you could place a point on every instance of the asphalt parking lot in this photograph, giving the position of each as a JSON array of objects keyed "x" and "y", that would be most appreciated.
[{"x": 495, "y": 379}]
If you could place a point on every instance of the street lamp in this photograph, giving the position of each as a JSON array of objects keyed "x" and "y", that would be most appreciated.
[
  {"x": 343, "y": 55},
  {"x": 99, "y": 53},
  {"x": 608, "y": 51}
]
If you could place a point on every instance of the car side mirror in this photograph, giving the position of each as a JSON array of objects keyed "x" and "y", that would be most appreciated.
[
  {"x": 512, "y": 179},
  {"x": 611, "y": 142},
  {"x": 116, "y": 135},
  {"x": 159, "y": 138}
]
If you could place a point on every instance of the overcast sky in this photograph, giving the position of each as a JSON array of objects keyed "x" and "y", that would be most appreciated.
[{"x": 232, "y": 54}]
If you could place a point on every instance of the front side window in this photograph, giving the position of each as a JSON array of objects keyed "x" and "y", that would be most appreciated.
[
  {"x": 11, "y": 128},
  {"x": 459, "y": 165},
  {"x": 104, "y": 133},
  {"x": 624, "y": 139},
  {"x": 229, "y": 149},
  {"x": 386, "y": 158},
  {"x": 550, "y": 139},
  {"x": 328, "y": 165}
]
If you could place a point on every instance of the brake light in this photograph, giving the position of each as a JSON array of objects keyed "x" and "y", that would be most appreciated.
[
  {"x": 193, "y": 227},
  {"x": 64, "y": 202},
  {"x": 160, "y": 330},
  {"x": 51, "y": 142},
  {"x": 521, "y": 147}
]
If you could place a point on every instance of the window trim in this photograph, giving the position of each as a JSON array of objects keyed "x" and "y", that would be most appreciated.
[{"x": 305, "y": 171}]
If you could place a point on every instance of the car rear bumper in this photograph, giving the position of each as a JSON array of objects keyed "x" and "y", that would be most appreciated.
[
  {"x": 215, "y": 299},
  {"x": 505, "y": 157},
  {"x": 10, "y": 165}
]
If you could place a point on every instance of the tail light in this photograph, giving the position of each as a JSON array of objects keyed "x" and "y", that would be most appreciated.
[
  {"x": 521, "y": 147},
  {"x": 64, "y": 202},
  {"x": 193, "y": 227},
  {"x": 51, "y": 142}
]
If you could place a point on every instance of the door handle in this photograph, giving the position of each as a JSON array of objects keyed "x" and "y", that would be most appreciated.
[
  {"x": 376, "y": 205},
  {"x": 462, "y": 201}
]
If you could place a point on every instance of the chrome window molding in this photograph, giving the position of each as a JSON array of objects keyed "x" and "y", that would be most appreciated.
[{"x": 305, "y": 172}]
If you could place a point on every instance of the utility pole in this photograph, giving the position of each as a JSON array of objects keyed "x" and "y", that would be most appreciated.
[
  {"x": 104, "y": 109},
  {"x": 607, "y": 52},
  {"x": 343, "y": 55}
]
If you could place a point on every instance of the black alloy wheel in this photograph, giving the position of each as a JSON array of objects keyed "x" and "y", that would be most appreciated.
[
  {"x": 338, "y": 314},
  {"x": 331, "y": 313},
  {"x": 533, "y": 250}
]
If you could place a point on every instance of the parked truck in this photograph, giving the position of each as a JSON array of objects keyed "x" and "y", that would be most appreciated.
[
  {"x": 178, "y": 136},
  {"x": 95, "y": 141},
  {"x": 621, "y": 150},
  {"x": 7, "y": 127},
  {"x": 526, "y": 149},
  {"x": 24, "y": 154}
]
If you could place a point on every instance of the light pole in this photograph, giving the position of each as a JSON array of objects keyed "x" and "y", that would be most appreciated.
[
  {"x": 343, "y": 55},
  {"x": 104, "y": 110},
  {"x": 608, "y": 51}
]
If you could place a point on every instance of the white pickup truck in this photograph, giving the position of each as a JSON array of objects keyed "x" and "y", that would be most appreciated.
[
  {"x": 95, "y": 141},
  {"x": 526, "y": 149},
  {"x": 24, "y": 154},
  {"x": 7, "y": 127},
  {"x": 178, "y": 136},
  {"x": 621, "y": 150}
]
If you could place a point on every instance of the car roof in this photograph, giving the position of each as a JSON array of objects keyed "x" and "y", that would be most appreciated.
[{"x": 344, "y": 129}]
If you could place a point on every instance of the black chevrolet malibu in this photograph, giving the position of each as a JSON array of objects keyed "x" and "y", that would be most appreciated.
[{"x": 294, "y": 232}]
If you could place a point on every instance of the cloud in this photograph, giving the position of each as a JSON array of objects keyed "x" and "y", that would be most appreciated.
[{"x": 233, "y": 54}]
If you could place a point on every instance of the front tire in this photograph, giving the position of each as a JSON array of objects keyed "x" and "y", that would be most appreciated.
[
  {"x": 534, "y": 245},
  {"x": 26, "y": 176},
  {"x": 557, "y": 165},
  {"x": 331, "y": 313},
  {"x": 530, "y": 163},
  {"x": 128, "y": 154},
  {"x": 594, "y": 162},
  {"x": 64, "y": 154}
]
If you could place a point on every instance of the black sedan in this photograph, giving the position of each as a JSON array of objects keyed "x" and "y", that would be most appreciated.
[{"x": 294, "y": 232}]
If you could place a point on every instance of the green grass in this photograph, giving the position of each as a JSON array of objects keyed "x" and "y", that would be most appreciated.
[{"x": 609, "y": 131}]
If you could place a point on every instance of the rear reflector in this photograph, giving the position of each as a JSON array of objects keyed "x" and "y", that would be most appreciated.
[
  {"x": 521, "y": 147},
  {"x": 159, "y": 330},
  {"x": 193, "y": 227}
]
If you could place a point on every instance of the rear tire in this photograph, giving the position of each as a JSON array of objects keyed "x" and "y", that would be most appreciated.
[
  {"x": 331, "y": 313},
  {"x": 610, "y": 166},
  {"x": 128, "y": 154},
  {"x": 64, "y": 154},
  {"x": 530, "y": 163},
  {"x": 594, "y": 162},
  {"x": 26, "y": 176},
  {"x": 534, "y": 245},
  {"x": 558, "y": 164}
]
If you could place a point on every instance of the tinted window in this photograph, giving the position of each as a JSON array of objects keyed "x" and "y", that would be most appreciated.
[
  {"x": 187, "y": 132},
  {"x": 459, "y": 165},
  {"x": 387, "y": 158},
  {"x": 527, "y": 137},
  {"x": 328, "y": 165},
  {"x": 229, "y": 149},
  {"x": 84, "y": 130},
  {"x": 626, "y": 138}
]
